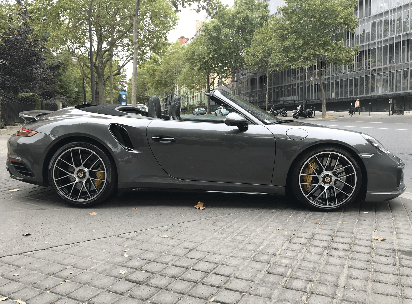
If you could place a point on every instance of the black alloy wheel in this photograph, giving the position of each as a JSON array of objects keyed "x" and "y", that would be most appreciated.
[
  {"x": 82, "y": 174},
  {"x": 326, "y": 179}
]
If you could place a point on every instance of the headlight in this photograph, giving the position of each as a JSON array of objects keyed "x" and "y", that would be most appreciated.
[{"x": 374, "y": 142}]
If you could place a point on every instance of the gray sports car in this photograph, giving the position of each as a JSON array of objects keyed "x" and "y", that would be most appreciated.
[{"x": 88, "y": 152}]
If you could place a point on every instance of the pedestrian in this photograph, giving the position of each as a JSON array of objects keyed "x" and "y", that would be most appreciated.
[{"x": 357, "y": 106}]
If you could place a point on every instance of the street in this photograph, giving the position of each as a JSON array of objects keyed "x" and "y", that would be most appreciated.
[{"x": 148, "y": 246}]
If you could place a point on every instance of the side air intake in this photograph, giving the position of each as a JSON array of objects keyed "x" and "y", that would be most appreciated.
[{"x": 121, "y": 135}]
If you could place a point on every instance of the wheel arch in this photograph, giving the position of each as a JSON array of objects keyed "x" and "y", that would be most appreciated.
[
  {"x": 66, "y": 140},
  {"x": 346, "y": 148}
]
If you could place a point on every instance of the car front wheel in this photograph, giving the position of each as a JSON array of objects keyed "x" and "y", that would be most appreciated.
[
  {"x": 326, "y": 179},
  {"x": 82, "y": 174}
]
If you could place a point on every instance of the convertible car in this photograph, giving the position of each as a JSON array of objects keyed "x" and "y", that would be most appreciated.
[{"x": 88, "y": 152}]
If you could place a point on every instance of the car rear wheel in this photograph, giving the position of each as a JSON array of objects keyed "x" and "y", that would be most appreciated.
[
  {"x": 326, "y": 179},
  {"x": 81, "y": 174}
]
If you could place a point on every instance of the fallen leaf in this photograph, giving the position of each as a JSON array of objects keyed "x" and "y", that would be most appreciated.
[
  {"x": 20, "y": 301},
  {"x": 317, "y": 223},
  {"x": 199, "y": 206},
  {"x": 379, "y": 239},
  {"x": 26, "y": 234},
  {"x": 93, "y": 213},
  {"x": 15, "y": 275},
  {"x": 3, "y": 299},
  {"x": 122, "y": 271},
  {"x": 164, "y": 236},
  {"x": 14, "y": 190}
]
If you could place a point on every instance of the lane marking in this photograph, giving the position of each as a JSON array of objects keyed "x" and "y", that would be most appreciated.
[
  {"x": 383, "y": 128},
  {"x": 376, "y": 122},
  {"x": 366, "y": 127},
  {"x": 401, "y": 129}
]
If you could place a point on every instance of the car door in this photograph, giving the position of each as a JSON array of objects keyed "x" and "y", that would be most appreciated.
[{"x": 214, "y": 152}]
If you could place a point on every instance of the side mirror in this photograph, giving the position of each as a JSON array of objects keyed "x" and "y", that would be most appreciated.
[{"x": 234, "y": 119}]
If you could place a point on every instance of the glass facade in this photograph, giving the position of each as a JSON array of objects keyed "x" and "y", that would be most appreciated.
[{"x": 381, "y": 70}]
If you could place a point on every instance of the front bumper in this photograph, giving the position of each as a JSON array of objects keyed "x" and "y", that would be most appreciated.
[{"x": 385, "y": 177}]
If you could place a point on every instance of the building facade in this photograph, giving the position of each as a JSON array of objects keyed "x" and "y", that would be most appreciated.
[{"x": 381, "y": 70}]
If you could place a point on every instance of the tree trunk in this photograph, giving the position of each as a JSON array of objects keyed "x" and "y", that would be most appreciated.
[
  {"x": 320, "y": 71},
  {"x": 267, "y": 89},
  {"x": 135, "y": 53},
  {"x": 208, "y": 91},
  {"x": 111, "y": 77}
]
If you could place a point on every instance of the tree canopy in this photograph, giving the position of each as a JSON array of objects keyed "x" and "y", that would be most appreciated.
[{"x": 313, "y": 33}]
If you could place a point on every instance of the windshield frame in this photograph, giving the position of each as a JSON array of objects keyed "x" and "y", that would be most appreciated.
[{"x": 251, "y": 109}]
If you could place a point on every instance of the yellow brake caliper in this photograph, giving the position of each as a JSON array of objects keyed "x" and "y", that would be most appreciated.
[
  {"x": 308, "y": 178},
  {"x": 100, "y": 176}
]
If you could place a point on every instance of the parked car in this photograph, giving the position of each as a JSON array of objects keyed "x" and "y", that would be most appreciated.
[
  {"x": 87, "y": 152},
  {"x": 199, "y": 111},
  {"x": 221, "y": 111}
]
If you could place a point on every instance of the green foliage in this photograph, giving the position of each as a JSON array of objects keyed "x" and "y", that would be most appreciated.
[
  {"x": 314, "y": 30},
  {"x": 31, "y": 97},
  {"x": 220, "y": 48},
  {"x": 65, "y": 24}
]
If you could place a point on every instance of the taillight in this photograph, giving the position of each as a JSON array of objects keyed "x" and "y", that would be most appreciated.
[{"x": 25, "y": 132}]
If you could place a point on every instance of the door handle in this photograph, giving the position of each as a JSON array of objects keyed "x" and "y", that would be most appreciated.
[{"x": 163, "y": 139}]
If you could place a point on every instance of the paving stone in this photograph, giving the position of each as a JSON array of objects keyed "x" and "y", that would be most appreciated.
[
  {"x": 47, "y": 283},
  {"x": 250, "y": 299},
  {"x": 121, "y": 286},
  {"x": 215, "y": 280},
  {"x": 102, "y": 281},
  {"x": 193, "y": 275},
  {"x": 287, "y": 295},
  {"x": 205, "y": 266},
  {"x": 357, "y": 284},
  {"x": 239, "y": 285},
  {"x": 356, "y": 296},
  {"x": 225, "y": 270},
  {"x": 138, "y": 276},
  {"x": 126, "y": 300},
  {"x": 319, "y": 299},
  {"x": 181, "y": 286},
  {"x": 45, "y": 298},
  {"x": 173, "y": 271},
  {"x": 328, "y": 290},
  {"x": 10, "y": 288},
  {"x": 159, "y": 281},
  {"x": 25, "y": 293},
  {"x": 203, "y": 291},
  {"x": 247, "y": 274},
  {"x": 65, "y": 288},
  {"x": 68, "y": 273},
  {"x": 143, "y": 292},
  {"x": 85, "y": 293},
  {"x": 192, "y": 300},
  {"x": 165, "y": 297},
  {"x": 4, "y": 281},
  {"x": 105, "y": 297},
  {"x": 298, "y": 284},
  {"x": 154, "y": 267},
  {"x": 67, "y": 301},
  {"x": 262, "y": 291},
  {"x": 227, "y": 297}
]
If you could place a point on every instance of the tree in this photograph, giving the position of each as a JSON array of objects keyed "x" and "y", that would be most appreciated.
[
  {"x": 65, "y": 24},
  {"x": 218, "y": 52},
  {"x": 264, "y": 52},
  {"x": 23, "y": 66},
  {"x": 207, "y": 5},
  {"x": 314, "y": 32}
]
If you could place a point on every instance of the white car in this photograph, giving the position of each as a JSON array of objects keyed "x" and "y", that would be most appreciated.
[{"x": 221, "y": 111}]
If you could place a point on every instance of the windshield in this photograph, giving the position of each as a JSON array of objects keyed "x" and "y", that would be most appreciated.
[{"x": 252, "y": 109}]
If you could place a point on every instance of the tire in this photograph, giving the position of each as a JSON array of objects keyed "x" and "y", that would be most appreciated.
[
  {"x": 82, "y": 174},
  {"x": 326, "y": 179}
]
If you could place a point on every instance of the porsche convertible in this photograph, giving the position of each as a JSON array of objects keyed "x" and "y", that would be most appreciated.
[{"x": 86, "y": 153}]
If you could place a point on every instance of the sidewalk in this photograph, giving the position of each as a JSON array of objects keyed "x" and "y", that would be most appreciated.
[{"x": 242, "y": 249}]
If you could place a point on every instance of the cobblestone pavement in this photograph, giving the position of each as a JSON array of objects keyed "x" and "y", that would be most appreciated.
[{"x": 240, "y": 249}]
